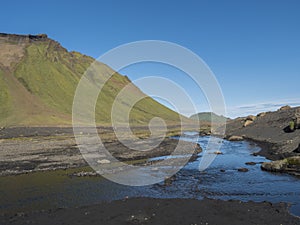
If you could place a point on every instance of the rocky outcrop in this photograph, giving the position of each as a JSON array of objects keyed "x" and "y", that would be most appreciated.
[
  {"x": 283, "y": 108},
  {"x": 249, "y": 120},
  {"x": 261, "y": 114},
  {"x": 247, "y": 123},
  {"x": 275, "y": 166},
  {"x": 289, "y": 165},
  {"x": 23, "y": 38},
  {"x": 269, "y": 131}
]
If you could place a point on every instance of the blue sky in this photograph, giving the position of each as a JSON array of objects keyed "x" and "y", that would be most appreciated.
[{"x": 253, "y": 47}]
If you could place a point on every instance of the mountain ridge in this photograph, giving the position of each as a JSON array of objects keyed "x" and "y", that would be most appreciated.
[{"x": 38, "y": 79}]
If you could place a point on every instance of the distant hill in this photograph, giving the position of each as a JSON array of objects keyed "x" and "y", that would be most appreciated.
[
  {"x": 38, "y": 79},
  {"x": 207, "y": 117}
]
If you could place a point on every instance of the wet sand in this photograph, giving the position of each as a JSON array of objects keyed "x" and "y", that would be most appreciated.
[{"x": 162, "y": 211}]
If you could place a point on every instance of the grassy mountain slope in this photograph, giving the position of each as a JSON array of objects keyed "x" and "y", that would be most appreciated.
[
  {"x": 5, "y": 99},
  {"x": 38, "y": 79}
]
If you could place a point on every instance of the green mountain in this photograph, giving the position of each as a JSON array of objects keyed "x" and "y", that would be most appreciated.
[
  {"x": 38, "y": 79},
  {"x": 208, "y": 116}
]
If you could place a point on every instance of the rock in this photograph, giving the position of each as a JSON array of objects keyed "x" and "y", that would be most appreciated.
[
  {"x": 255, "y": 154},
  {"x": 289, "y": 165},
  {"x": 250, "y": 163},
  {"x": 205, "y": 133},
  {"x": 218, "y": 153},
  {"x": 208, "y": 133},
  {"x": 261, "y": 114},
  {"x": 235, "y": 138},
  {"x": 20, "y": 214},
  {"x": 275, "y": 166},
  {"x": 247, "y": 123},
  {"x": 295, "y": 160},
  {"x": 103, "y": 161},
  {"x": 85, "y": 174},
  {"x": 251, "y": 118},
  {"x": 286, "y": 107},
  {"x": 198, "y": 148},
  {"x": 223, "y": 171},
  {"x": 193, "y": 158},
  {"x": 297, "y": 150},
  {"x": 169, "y": 180},
  {"x": 243, "y": 170}
]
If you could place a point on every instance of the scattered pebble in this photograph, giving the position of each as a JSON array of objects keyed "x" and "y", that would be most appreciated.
[
  {"x": 103, "y": 161},
  {"x": 243, "y": 170},
  {"x": 218, "y": 153}
]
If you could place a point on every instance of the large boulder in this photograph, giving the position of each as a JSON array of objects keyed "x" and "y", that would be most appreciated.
[
  {"x": 288, "y": 165},
  {"x": 251, "y": 118},
  {"x": 261, "y": 114},
  {"x": 247, "y": 123},
  {"x": 235, "y": 138},
  {"x": 275, "y": 166},
  {"x": 286, "y": 107}
]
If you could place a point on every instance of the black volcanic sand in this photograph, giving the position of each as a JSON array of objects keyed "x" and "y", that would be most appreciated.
[
  {"x": 269, "y": 131},
  {"x": 161, "y": 211}
]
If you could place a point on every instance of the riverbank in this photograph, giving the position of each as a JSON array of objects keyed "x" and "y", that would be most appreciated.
[
  {"x": 161, "y": 211},
  {"x": 271, "y": 132},
  {"x": 25, "y": 150}
]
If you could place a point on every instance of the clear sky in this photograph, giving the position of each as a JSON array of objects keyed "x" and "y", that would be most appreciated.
[{"x": 253, "y": 47}]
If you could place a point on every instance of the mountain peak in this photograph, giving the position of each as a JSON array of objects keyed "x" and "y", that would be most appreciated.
[{"x": 23, "y": 37}]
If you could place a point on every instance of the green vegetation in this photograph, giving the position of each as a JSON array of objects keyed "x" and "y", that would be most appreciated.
[
  {"x": 42, "y": 86},
  {"x": 293, "y": 161},
  {"x": 5, "y": 100},
  {"x": 292, "y": 125}
]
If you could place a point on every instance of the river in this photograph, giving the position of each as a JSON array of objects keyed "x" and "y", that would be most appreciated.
[{"x": 56, "y": 189}]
